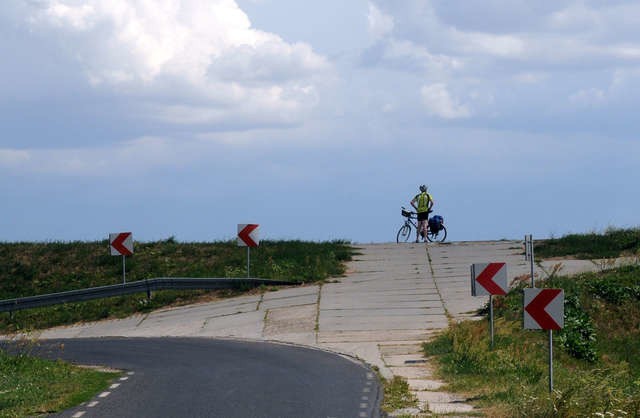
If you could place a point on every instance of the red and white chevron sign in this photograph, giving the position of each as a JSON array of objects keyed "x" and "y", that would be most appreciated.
[
  {"x": 489, "y": 279},
  {"x": 543, "y": 308},
  {"x": 248, "y": 235},
  {"x": 121, "y": 243}
]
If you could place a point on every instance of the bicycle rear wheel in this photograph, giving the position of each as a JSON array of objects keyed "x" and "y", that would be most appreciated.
[
  {"x": 403, "y": 233},
  {"x": 439, "y": 236}
]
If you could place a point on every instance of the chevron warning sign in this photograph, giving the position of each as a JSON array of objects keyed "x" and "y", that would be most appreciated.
[
  {"x": 121, "y": 243},
  {"x": 543, "y": 308},
  {"x": 489, "y": 279},
  {"x": 248, "y": 235}
]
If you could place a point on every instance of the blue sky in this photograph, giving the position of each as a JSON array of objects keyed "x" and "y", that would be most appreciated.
[{"x": 316, "y": 120}]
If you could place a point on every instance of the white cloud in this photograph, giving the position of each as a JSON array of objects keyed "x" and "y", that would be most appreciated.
[
  {"x": 588, "y": 97},
  {"x": 505, "y": 46},
  {"x": 203, "y": 50},
  {"x": 528, "y": 77},
  {"x": 13, "y": 157},
  {"x": 410, "y": 55},
  {"x": 380, "y": 24},
  {"x": 438, "y": 102},
  {"x": 120, "y": 160}
]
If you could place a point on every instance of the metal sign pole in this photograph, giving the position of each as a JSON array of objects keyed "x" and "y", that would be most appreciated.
[
  {"x": 531, "y": 259},
  {"x": 491, "y": 317},
  {"x": 124, "y": 269},
  {"x": 248, "y": 258},
  {"x": 550, "y": 360}
]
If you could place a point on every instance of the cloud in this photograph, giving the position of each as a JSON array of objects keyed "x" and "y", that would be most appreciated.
[
  {"x": 119, "y": 160},
  {"x": 588, "y": 97},
  {"x": 520, "y": 57},
  {"x": 380, "y": 24},
  {"x": 192, "y": 50},
  {"x": 438, "y": 102}
]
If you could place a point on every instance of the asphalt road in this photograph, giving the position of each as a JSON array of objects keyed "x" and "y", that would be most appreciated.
[{"x": 201, "y": 377}]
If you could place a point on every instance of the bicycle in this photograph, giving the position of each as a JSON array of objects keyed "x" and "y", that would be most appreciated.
[{"x": 435, "y": 230}]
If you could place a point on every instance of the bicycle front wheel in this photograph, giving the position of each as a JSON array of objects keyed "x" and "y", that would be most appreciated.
[
  {"x": 403, "y": 234},
  {"x": 439, "y": 236}
]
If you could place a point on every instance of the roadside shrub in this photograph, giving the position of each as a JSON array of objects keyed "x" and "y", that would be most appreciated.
[{"x": 578, "y": 337}]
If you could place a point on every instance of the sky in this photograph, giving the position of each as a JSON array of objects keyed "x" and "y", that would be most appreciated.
[{"x": 317, "y": 120}]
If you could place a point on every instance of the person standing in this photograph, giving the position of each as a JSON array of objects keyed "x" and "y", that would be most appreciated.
[{"x": 422, "y": 203}]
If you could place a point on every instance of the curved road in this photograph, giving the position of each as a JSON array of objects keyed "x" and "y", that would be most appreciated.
[{"x": 199, "y": 377}]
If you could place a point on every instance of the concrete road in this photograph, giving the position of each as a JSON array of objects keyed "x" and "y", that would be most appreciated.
[{"x": 394, "y": 297}]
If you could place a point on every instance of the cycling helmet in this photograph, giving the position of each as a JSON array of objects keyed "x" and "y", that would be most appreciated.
[{"x": 423, "y": 188}]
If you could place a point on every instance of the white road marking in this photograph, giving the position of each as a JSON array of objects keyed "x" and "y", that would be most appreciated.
[
  {"x": 122, "y": 379},
  {"x": 104, "y": 394},
  {"x": 92, "y": 404},
  {"x": 365, "y": 398},
  {"x": 365, "y": 390},
  {"x": 114, "y": 386},
  {"x": 78, "y": 414},
  {"x": 369, "y": 375},
  {"x": 364, "y": 405}
]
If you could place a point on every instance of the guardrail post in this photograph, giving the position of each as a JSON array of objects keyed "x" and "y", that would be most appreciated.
[{"x": 146, "y": 282}]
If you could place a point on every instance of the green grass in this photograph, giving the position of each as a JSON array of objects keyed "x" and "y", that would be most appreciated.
[
  {"x": 31, "y": 386},
  {"x": 596, "y": 354},
  {"x": 614, "y": 242},
  {"x": 28, "y": 269}
]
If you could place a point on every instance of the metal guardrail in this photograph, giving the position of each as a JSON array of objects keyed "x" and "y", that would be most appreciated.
[{"x": 162, "y": 283}]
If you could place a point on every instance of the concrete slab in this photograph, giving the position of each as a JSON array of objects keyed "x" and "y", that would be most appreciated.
[
  {"x": 399, "y": 360},
  {"x": 245, "y": 325},
  {"x": 290, "y": 320},
  {"x": 420, "y": 385},
  {"x": 399, "y": 348},
  {"x": 411, "y": 372},
  {"x": 373, "y": 336}
]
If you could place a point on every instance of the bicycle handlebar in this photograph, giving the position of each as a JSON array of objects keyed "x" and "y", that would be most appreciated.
[{"x": 411, "y": 213}]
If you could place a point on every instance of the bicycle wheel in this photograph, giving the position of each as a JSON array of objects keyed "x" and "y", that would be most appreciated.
[
  {"x": 403, "y": 233},
  {"x": 439, "y": 236}
]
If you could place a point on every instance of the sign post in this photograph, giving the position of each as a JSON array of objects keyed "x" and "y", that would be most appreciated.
[
  {"x": 248, "y": 237},
  {"x": 121, "y": 243},
  {"x": 528, "y": 254},
  {"x": 489, "y": 279},
  {"x": 544, "y": 309}
]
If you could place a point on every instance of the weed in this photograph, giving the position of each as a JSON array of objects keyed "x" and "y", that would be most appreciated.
[
  {"x": 397, "y": 394},
  {"x": 612, "y": 243}
]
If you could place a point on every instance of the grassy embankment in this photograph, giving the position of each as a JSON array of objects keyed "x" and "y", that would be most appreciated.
[
  {"x": 596, "y": 354},
  {"x": 28, "y": 269},
  {"x": 31, "y": 386}
]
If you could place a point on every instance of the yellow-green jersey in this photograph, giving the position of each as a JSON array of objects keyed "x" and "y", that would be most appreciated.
[{"x": 423, "y": 201}]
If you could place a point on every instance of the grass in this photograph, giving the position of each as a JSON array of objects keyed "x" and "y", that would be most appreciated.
[
  {"x": 397, "y": 394},
  {"x": 596, "y": 354},
  {"x": 30, "y": 386},
  {"x": 28, "y": 269},
  {"x": 614, "y": 242}
]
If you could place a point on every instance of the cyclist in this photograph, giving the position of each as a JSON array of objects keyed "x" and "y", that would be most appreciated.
[{"x": 422, "y": 203}]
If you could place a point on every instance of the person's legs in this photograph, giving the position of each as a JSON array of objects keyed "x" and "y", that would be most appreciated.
[{"x": 422, "y": 225}]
